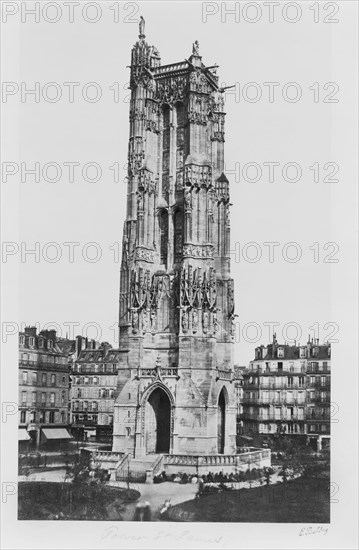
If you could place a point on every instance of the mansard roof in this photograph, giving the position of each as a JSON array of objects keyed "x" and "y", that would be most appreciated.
[
  {"x": 98, "y": 356},
  {"x": 291, "y": 352}
]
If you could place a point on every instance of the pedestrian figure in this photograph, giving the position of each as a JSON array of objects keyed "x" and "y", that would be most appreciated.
[
  {"x": 142, "y": 512},
  {"x": 200, "y": 487},
  {"x": 147, "y": 512}
]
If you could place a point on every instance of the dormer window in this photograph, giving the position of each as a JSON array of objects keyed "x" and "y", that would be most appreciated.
[
  {"x": 31, "y": 341},
  {"x": 302, "y": 353},
  {"x": 22, "y": 340},
  {"x": 49, "y": 344},
  {"x": 280, "y": 352},
  {"x": 41, "y": 343}
]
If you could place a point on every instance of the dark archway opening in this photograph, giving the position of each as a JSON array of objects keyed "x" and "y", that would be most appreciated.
[
  {"x": 221, "y": 422},
  {"x": 158, "y": 422}
]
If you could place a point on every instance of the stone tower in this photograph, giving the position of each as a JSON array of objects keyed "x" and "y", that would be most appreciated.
[{"x": 175, "y": 392}]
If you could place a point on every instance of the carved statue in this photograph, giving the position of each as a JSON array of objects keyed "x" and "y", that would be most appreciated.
[
  {"x": 140, "y": 202},
  {"x": 134, "y": 321},
  {"x": 230, "y": 297},
  {"x": 144, "y": 321},
  {"x": 205, "y": 320},
  {"x": 142, "y": 27},
  {"x": 195, "y": 320},
  {"x": 195, "y": 48},
  {"x": 215, "y": 322},
  {"x": 188, "y": 199},
  {"x": 185, "y": 321},
  {"x": 153, "y": 319},
  {"x": 233, "y": 327},
  {"x": 228, "y": 219}
]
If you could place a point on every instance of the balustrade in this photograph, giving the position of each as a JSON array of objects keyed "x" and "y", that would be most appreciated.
[{"x": 217, "y": 460}]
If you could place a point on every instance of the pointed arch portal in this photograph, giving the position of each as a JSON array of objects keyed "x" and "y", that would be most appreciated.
[
  {"x": 158, "y": 422},
  {"x": 221, "y": 422}
]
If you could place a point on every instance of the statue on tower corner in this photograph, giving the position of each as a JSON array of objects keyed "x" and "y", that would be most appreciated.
[
  {"x": 195, "y": 48},
  {"x": 142, "y": 27}
]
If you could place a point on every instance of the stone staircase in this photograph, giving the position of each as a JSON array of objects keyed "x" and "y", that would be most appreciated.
[{"x": 141, "y": 469}]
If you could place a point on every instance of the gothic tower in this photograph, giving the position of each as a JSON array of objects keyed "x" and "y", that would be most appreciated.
[{"x": 175, "y": 392}]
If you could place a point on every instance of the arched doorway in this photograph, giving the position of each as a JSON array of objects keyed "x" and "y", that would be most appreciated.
[
  {"x": 221, "y": 425},
  {"x": 158, "y": 422}
]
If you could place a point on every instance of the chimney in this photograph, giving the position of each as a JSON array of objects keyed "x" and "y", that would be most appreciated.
[
  {"x": 81, "y": 343},
  {"x": 51, "y": 334},
  {"x": 308, "y": 347},
  {"x": 30, "y": 331}
]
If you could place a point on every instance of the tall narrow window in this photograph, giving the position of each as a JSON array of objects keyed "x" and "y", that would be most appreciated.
[
  {"x": 166, "y": 150},
  {"x": 178, "y": 235},
  {"x": 163, "y": 223}
]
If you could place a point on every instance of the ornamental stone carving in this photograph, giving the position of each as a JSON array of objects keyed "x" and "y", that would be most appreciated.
[
  {"x": 145, "y": 182},
  {"x": 135, "y": 155},
  {"x": 218, "y": 136},
  {"x": 198, "y": 176},
  {"x": 170, "y": 90},
  {"x": 144, "y": 254},
  {"x": 198, "y": 251}
]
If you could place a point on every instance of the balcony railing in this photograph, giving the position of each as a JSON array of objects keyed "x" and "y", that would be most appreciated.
[{"x": 43, "y": 364}]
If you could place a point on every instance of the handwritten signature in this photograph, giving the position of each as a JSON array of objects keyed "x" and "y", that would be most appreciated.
[
  {"x": 313, "y": 531},
  {"x": 114, "y": 533}
]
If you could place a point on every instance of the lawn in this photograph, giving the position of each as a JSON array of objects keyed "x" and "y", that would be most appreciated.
[
  {"x": 66, "y": 501},
  {"x": 303, "y": 500}
]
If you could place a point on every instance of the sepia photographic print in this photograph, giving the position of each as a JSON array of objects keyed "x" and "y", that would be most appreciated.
[{"x": 179, "y": 257}]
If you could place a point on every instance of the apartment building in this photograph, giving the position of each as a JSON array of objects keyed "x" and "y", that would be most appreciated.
[
  {"x": 286, "y": 390},
  {"x": 93, "y": 385},
  {"x": 43, "y": 389}
]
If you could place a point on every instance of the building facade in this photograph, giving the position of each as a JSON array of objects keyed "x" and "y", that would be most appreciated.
[
  {"x": 93, "y": 385},
  {"x": 175, "y": 392},
  {"x": 287, "y": 391},
  {"x": 43, "y": 388},
  {"x": 318, "y": 406},
  {"x": 239, "y": 391}
]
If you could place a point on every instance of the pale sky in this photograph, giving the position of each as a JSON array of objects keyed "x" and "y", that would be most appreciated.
[{"x": 256, "y": 132}]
